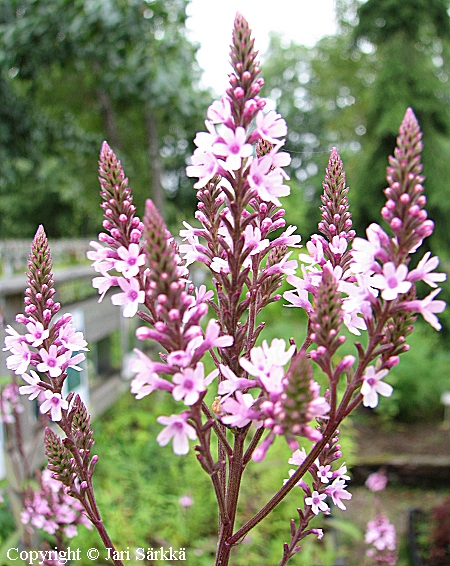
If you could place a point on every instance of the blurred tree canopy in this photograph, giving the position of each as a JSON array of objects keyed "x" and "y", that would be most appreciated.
[
  {"x": 351, "y": 91},
  {"x": 75, "y": 72}
]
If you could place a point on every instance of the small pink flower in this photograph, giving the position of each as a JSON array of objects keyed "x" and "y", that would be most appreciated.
[
  {"x": 101, "y": 257},
  {"x": 270, "y": 126},
  {"x": 36, "y": 333},
  {"x": 232, "y": 383},
  {"x": 372, "y": 386},
  {"x": 131, "y": 297},
  {"x": 71, "y": 339},
  {"x": 376, "y": 481},
  {"x": 103, "y": 284},
  {"x": 393, "y": 281},
  {"x": 131, "y": 260},
  {"x": 186, "y": 501},
  {"x": 266, "y": 181},
  {"x": 14, "y": 340},
  {"x": 337, "y": 492},
  {"x": 177, "y": 429},
  {"x": 33, "y": 389},
  {"x": 424, "y": 270},
  {"x": 427, "y": 308},
  {"x": 189, "y": 383},
  {"x": 55, "y": 404},
  {"x": 51, "y": 362},
  {"x": 233, "y": 147},
  {"x": 317, "y": 503},
  {"x": 20, "y": 358},
  {"x": 220, "y": 110},
  {"x": 204, "y": 166},
  {"x": 239, "y": 410},
  {"x": 325, "y": 473},
  {"x": 298, "y": 457}
]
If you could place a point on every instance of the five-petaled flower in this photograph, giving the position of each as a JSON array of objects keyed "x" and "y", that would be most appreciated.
[
  {"x": 372, "y": 386},
  {"x": 178, "y": 429},
  {"x": 131, "y": 297},
  {"x": 55, "y": 404},
  {"x": 317, "y": 503}
]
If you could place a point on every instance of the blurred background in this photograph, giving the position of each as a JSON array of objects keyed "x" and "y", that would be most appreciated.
[{"x": 141, "y": 74}]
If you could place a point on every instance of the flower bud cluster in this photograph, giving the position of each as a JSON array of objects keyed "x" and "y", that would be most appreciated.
[
  {"x": 123, "y": 252},
  {"x": 336, "y": 220},
  {"x": 404, "y": 210}
]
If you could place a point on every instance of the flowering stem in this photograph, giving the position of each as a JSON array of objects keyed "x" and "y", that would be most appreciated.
[
  {"x": 252, "y": 446},
  {"x": 234, "y": 482},
  {"x": 290, "y": 484},
  {"x": 86, "y": 477}
]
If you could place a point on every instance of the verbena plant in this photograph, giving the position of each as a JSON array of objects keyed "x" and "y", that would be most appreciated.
[{"x": 261, "y": 391}]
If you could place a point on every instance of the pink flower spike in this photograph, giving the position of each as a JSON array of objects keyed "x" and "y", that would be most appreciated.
[
  {"x": 51, "y": 362},
  {"x": 36, "y": 333},
  {"x": 233, "y": 148},
  {"x": 372, "y": 386},
  {"x": 33, "y": 389},
  {"x": 131, "y": 297},
  {"x": 189, "y": 383},
  {"x": 317, "y": 503},
  {"x": 131, "y": 260},
  {"x": 393, "y": 281},
  {"x": 177, "y": 429},
  {"x": 55, "y": 404}
]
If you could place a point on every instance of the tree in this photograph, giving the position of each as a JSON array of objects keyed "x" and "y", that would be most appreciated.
[
  {"x": 411, "y": 41},
  {"x": 322, "y": 92},
  {"x": 118, "y": 69}
]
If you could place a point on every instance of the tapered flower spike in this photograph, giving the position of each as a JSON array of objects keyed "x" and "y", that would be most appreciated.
[
  {"x": 404, "y": 209},
  {"x": 244, "y": 82},
  {"x": 300, "y": 399},
  {"x": 118, "y": 206},
  {"x": 60, "y": 460},
  {"x": 40, "y": 292},
  {"x": 336, "y": 217},
  {"x": 326, "y": 320},
  {"x": 161, "y": 256}
]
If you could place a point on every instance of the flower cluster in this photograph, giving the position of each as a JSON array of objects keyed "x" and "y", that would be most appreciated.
[
  {"x": 50, "y": 346},
  {"x": 374, "y": 286},
  {"x": 52, "y": 510},
  {"x": 380, "y": 534}
]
